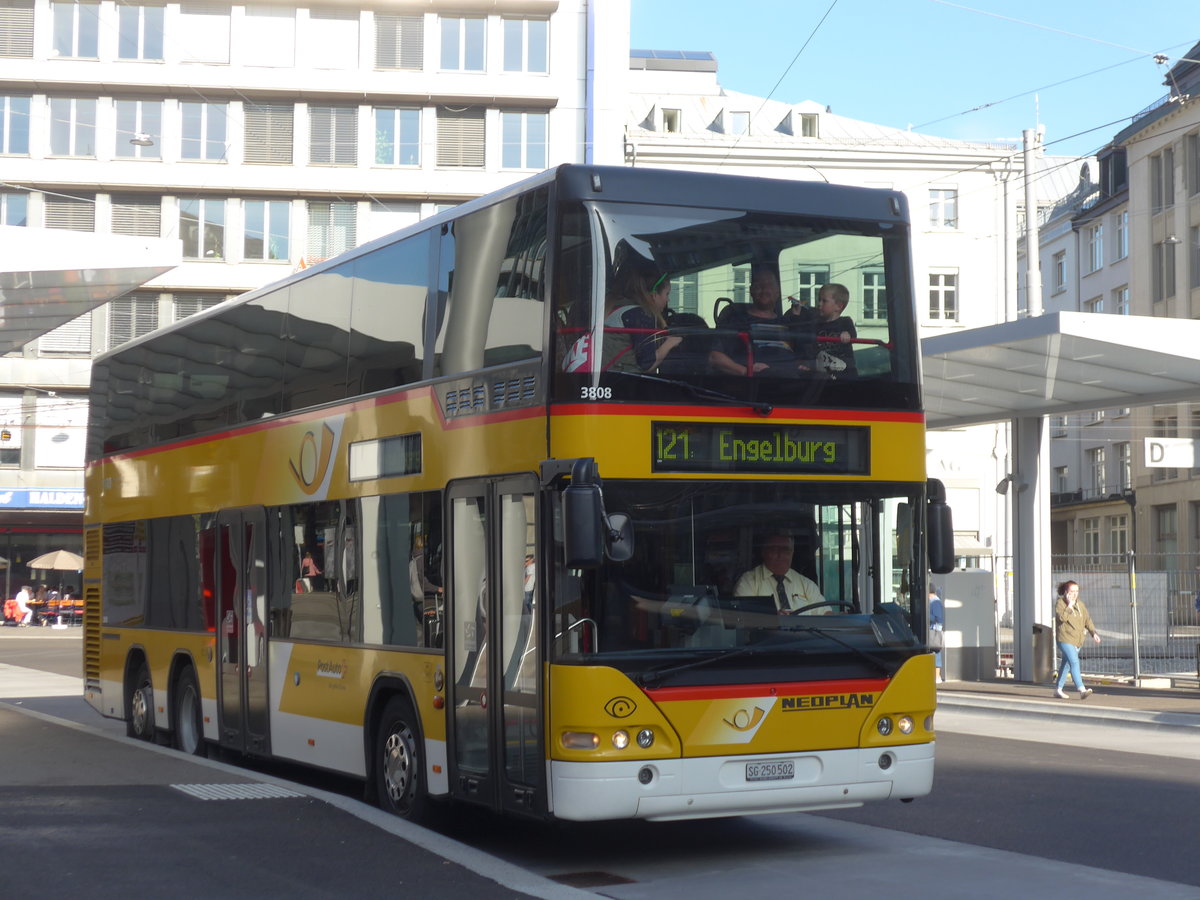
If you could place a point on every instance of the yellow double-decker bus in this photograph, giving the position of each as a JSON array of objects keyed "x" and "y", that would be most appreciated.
[{"x": 473, "y": 513}]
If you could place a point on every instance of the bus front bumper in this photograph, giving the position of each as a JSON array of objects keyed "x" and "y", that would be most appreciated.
[{"x": 724, "y": 785}]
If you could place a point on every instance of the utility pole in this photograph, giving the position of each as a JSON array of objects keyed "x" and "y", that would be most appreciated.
[{"x": 1033, "y": 266}]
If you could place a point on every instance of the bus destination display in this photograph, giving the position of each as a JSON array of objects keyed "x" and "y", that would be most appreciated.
[{"x": 753, "y": 448}]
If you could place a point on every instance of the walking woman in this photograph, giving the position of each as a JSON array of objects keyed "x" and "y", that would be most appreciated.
[{"x": 1073, "y": 623}]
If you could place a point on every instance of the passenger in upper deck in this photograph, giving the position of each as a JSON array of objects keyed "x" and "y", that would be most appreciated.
[
  {"x": 774, "y": 346},
  {"x": 633, "y": 318},
  {"x": 835, "y": 331}
]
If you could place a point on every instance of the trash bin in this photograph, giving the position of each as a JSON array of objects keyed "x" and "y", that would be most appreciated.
[{"x": 1043, "y": 653}]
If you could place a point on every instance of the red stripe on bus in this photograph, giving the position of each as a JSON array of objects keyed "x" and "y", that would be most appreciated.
[
  {"x": 600, "y": 410},
  {"x": 778, "y": 689}
]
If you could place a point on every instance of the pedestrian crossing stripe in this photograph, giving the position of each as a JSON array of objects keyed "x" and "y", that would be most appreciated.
[{"x": 235, "y": 791}]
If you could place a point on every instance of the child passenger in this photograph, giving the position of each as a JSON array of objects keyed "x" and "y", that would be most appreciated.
[{"x": 835, "y": 331}]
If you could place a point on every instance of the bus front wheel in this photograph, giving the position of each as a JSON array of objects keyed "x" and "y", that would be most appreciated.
[
  {"x": 188, "y": 716},
  {"x": 399, "y": 763},
  {"x": 139, "y": 715}
]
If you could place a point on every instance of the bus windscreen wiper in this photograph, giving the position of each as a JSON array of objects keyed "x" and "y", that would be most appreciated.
[
  {"x": 763, "y": 409},
  {"x": 654, "y": 676},
  {"x": 869, "y": 657}
]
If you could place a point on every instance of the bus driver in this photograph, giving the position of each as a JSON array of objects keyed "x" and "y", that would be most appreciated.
[{"x": 776, "y": 577}]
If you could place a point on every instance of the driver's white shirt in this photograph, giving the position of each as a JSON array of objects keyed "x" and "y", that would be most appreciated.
[{"x": 760, "y": 582}]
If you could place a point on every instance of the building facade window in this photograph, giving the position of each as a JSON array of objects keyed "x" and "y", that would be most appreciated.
[
  {"x": 136, "y": 214},
  {"x": 16, "y": 29},
  {"x": 14, "y": 208},
  {"x": 943, "y": 296},
  {"x": 202, "y": 227},
  {"x": 1090, "y": 528},
  {"x": 266, "y": 229},
  {"x": 874, "y": 295},
  {"x": 14, "y": 126},
  {"x": 1095, "y": 248},
  {"x": 1121, "y": 234},
  {"x": 460, "y": 137},
  {"x": 462, "y": 44},
  {"x": 207, "y": 28},
  {"x": 739, "y": 122},
  {"x": 1120, "y": 298},
  {"x": 672, "y": 121},
  {"x": 526, "y": 45},
  {"x": 523, "y": 137},
  {"x": 1118, "y": 538},
  {"x": 1162, "y": 180},
  {"x": 808, "y": 284},
  {"x": 1191, "y": 145},
  {"x": 1166, "y": 529},
  {"x": 1162, "y": 274},
  {"x": 69, "y": 213},
  {"x": 685, "y": 293},
  {"x": 139, "y": 129},
  {"x": 1124, "y": 454},
  {"x": 1096, "y": 479},
  {"x": 132, "y": 316},
  {"x": 1194, "y": 256},
  {"x": 1060, "y": 479},
  {"x": 269, "y": 133},
  {"x": 72, "y": 127},
  {"x": 943, "y": 208},
  {"x": 267, "y": 36},
  {"x": 1095, "y": 305},
  {"x": 204, "y": 127},
  {"x": 397, "y": 137},
  {"x": 139, "y": 31},
  {"x": 185, "y": 305},
  {"x": 1058, "y": 271},
  {"x": 333, "y": 135},
  {"x": 331, "y": 229},
  {"x": 399, "y": 42},
  {"x": 76, "y": 29}
]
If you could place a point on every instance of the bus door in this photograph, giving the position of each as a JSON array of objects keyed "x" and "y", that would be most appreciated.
[
  {"x": 495, "y": 733},
  {"x": 240, "y": 581}
]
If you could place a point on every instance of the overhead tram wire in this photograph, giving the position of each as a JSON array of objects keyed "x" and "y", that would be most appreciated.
[{"x": 778, "y": 82}]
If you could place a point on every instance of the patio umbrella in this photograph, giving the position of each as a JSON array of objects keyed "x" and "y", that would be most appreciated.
[{"x": 59, "y": 560}]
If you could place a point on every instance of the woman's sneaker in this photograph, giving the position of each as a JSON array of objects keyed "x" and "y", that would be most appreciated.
[
  {"x": 1058, "y": 692},
  {"x": 1085, "y": 693}
]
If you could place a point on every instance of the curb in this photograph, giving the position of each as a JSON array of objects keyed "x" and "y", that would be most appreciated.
[{"x": 1059, "y": 709}]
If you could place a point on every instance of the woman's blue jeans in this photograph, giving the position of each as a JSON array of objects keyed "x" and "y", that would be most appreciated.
[{"x": 1069, "y": 661}]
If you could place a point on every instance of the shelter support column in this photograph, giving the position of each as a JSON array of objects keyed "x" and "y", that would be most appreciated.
[{"x": 1031, "y": 531}]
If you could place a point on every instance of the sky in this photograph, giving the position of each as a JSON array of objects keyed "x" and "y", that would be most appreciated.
[{"x": 980, "y": 70}]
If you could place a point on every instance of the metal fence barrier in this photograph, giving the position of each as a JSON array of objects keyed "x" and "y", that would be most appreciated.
[{"x": 1144, "y": 608}]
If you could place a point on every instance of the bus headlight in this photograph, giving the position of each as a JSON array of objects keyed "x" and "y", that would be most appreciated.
[
  {"x": 620, "y": 739},
  {"x": 580, "y": 740},
  {"x": 884, "y": 726},
  {"x": 645, "y": 738},
  {"x": 905, "y": 725}
]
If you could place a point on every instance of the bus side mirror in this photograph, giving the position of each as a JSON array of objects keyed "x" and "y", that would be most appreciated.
[
  {"x": 589, "y": 534},
  {"x": 939, "y": 529},
  {"x": 583, "y": 539}
]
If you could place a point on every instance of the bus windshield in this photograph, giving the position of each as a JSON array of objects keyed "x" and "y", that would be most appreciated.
[
  {"x": 704, "y": 304},
  {"x": 772, "y": 571}
]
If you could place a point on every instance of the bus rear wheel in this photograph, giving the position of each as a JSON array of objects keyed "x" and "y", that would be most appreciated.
[
  {"x": 139, "y": 711},
  {"x": 188, "y": 716},
  {"x": 398, "y": 762}
]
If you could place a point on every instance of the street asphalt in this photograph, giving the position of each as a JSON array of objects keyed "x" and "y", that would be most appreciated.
[{"x": 103, "y": 815}]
